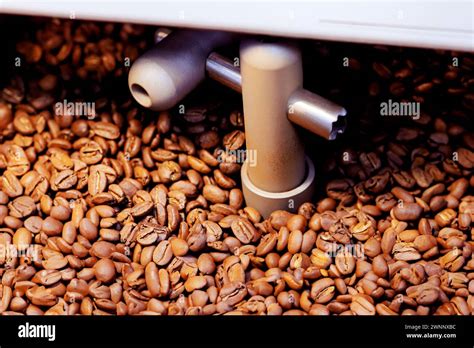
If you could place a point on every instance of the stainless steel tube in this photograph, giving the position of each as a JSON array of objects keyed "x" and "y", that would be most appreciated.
[
  {"x": 224, "y": 71},
  {"x": 316, "y": 114}
]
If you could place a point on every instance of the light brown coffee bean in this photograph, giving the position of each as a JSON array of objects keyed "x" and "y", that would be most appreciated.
[
  {"x": 105, "y": 129},
  {"x": 361, "y": 305},
  {"x": 232, "y": 293},
  {"x": 63, "y": 180},
  {"x": 51, "y": 226},
  {"x": 345, "y": 262},
  {"x": 323, "y": 290},
  {"x": 97, "y": 182},
  {"x": 163, "y": 253},
  {"x": 104, "y": 270},
  {"x": 22, "y": 239},
  {"x": 91, "y": 153},
  {"x": 206, "y": 264},
  {"x": 11, "y": 186},
  {"x": 295, "y": 239},
  {"x": 22, "y": 207},
  {"x": 195, "y": 283},
  {"x": 56, "y": 262},
  {"x": 179, "y": 247},
  {"x": 214, "y": 194},
  {"x": 152, "y": 279},
  {"x": 243, "y": 230},
  {"x": 88, "y": 229}
]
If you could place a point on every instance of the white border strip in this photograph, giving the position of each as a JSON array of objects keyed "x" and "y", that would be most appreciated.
[{"x": 428, "y": 24}]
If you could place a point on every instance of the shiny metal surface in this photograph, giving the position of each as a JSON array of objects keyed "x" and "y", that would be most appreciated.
[
  {"x": 224, "y": 71},
  {"x": 316, "y": 114}
]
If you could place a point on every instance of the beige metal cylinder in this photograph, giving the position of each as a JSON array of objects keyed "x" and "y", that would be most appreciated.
[{"x": 271, "y": 72}]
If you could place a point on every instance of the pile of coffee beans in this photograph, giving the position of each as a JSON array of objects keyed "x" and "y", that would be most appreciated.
[{"x": 124, "y": 211}]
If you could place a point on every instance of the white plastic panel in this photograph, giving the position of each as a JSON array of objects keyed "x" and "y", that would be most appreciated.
[{"x": 433, "y": 24}]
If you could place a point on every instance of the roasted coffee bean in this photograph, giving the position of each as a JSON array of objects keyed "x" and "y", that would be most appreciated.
[
  {"x": 232, "y": 293},
  {"x": 104, "y": 270},
  {"x": 22, "y": 207},
  {"x": 163, "y": 253},
  {"x": 51, "y": 226},
  {"x": 63, "y": 180},
  {"x": 234, "y": 140},
  {"x": 22, "y": 239},
  {"x": 407, "y": 211},
  {"x": 345, "y": 262},
  {"x": 340, "y": 190},
  {"x": 105, "y": 130},
  {"x": 16, "y": 159},
  {"x": 11, "y": 185},
  {"x": 97, "y": 182},
  {"x": 91, "y": 152},
  {"x": 179, "y": 247},
  {"x": 361, "y": 305},
  {"x": 404, "y": 179},
  {"x": 323, "y": 290},
  {"x": 243, "y": 230}
]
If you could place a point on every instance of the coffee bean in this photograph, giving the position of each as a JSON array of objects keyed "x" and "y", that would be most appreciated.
[
  {"x": 91, "y": 152},
  {"x": 152, "y": 279},
  {"x": 104, "y": 270},
  {"x": 105, "y": 129},
  {"x": 179, "y": 247},
  {"x": 214, "y": 194},
  {"x": 234, "y": 140},
  {"x": 323, "y": 290},
  {"x": 232, "y": 293},
  {"x": 51, "y": 226},
  {"x": 47, "y": 277},
  {"x": 407, "y": 211},
  {"x": 267, "y": 244},
  {"x": 163, "y": 253},
  {"x": 55, "y": 262},
  {"x": 169, "y": 171},
  {"x": 88, "y": 229},
  {"x": 243, "y": 230},
  {"x": 41, "y": 296},
  {"x": 11, "y": 186},
  {"x": 340, "y": 190},
  {"x": 345, "y": 262},
  {"x": 63, "y": 180},
  {"x": 404, "y": 179},
  {"x": 22, "y": 239},
  {"x": 22, "y": 207},
  {"x": 361, "y": 305}
]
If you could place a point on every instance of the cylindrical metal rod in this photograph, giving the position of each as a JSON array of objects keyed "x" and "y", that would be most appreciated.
[
  {"x": 306, "y": 109},
  {"x": 316, "y": 114},
  {"x": 222, "y": 70}
]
